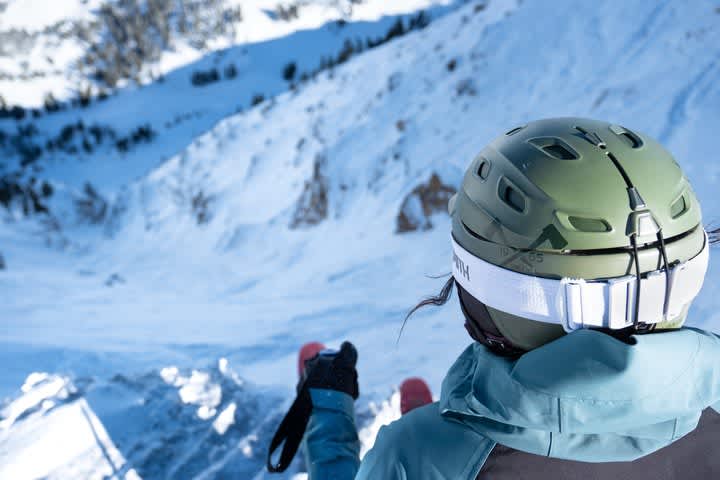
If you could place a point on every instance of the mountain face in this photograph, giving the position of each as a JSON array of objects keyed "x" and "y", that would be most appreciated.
[
  {"x": 197, "y": 62},
  {"x": 200, "y": 423},
  {"x": 80, "y": 50},
  {"x": 285, "y": 186}
]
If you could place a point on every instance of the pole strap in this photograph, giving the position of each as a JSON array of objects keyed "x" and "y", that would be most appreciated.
[{"x": 290, "y": 432}]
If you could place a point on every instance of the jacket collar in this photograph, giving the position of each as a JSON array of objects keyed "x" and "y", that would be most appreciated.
[{"x": 588, "y": 396}]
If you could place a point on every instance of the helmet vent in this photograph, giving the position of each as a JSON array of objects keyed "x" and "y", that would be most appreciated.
[
  {"x": 631, "y": 139},
  {"x": 627, "y": 136},
  {"x": 555, "y": 148},
  {"x": 514, "y": 130},
  {"x": 591, "y": 225},
  {"x": 483, "y": 170},
  {"x": 559, "y": 152},
  {"x": 678, "y": 207},
  {"x": 511, "y": 196}
]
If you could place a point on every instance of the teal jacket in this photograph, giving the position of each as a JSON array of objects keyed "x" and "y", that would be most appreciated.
[{"x": 585, "y": 396}]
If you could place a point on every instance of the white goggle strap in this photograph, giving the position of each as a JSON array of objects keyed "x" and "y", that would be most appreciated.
[
  {"x": 526, "y": 296},
  {"x": 577, "y": 303}
]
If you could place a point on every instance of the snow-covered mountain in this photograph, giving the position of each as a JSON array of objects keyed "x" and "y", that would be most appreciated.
[
  {"x": 75, "y": 48},
  {"x": 314, "y": 215},
  {"x": 195, "y": 87},
  {"x": 198, "y": 424}
]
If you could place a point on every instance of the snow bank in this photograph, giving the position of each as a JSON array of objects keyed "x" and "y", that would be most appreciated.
[{"x": 50, "y": 432}]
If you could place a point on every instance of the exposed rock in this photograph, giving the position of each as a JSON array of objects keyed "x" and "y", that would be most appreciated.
[
  {"x": 466, "y": 87},
  {"x": 201, "y": 208},
  {"x": 114, "y": 279},
  {"x": 91, "y": 207},
  {"x": 425, "y": 200},
  {"x": 312, "y": 207}
]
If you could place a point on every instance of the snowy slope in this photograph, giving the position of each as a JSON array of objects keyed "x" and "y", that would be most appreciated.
[
  {"x": 162, "y": 424},
  {"x": 214, "y": 254},
  {"x": 57, "y": 426},
  {"x": 113, "y": 140},
  {"x": 34, "y": 15},
  {"x": 43, "y": 41}
]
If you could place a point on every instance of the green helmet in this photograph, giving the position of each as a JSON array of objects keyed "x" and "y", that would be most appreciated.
[{"x": 573, "y": 223}]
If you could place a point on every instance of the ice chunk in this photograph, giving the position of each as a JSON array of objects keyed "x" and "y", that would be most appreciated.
[
  {"x": 200, "y": 390},
  {"x": 225, "y": 419}
]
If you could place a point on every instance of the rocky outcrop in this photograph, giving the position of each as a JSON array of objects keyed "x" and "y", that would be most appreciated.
[
  {"x": 425, "y": 200},
  {"x": 312, "y": 207},
  {"x": 91, "y": 207}
]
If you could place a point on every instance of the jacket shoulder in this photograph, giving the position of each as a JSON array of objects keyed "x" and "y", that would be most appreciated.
[{"x": 424, "y": 445}]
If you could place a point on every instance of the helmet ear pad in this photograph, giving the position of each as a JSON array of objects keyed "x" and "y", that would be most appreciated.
[
  {"x": 481, "y": 327},
  {"x": 525, "y": 333},
  {"x": 504, "y": 334}
]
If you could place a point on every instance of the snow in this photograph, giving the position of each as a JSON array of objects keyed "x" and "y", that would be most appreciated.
[
  {"x": 38, "y": 14},
  {"x": 180, "y": 111},
  {"x": 36, "y": 390},
  {"x": 383, "y": 413},
  {"x": 225, "y": 419},
  {"x": 260, "y": 26},
  {"x": 189, "y": 364},
  {"x": 198, "y": 390},
  {"x": 58, "y": 437},
  {"x": 49, "y": 62}
]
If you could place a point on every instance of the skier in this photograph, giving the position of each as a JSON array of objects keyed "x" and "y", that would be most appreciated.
[{"x": 578, "y": 249}]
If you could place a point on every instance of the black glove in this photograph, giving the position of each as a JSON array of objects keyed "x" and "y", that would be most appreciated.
[{"x": 333, "y": 371}]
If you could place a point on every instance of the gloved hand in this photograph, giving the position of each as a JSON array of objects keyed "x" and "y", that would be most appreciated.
[{"x": 333, "y": 371}]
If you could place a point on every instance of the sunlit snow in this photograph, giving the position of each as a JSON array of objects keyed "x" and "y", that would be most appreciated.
[{"x": 161, "y": 342}]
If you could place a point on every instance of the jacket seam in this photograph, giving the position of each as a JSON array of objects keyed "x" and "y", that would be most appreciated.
[
  {"x": 559, "y": 407},
  {"x": 550, "y": 445}
]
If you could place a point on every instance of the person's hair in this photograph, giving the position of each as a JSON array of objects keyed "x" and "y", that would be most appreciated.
[
  {"x": 436, "y": 300},
  {"x": 714, "y": 236}
]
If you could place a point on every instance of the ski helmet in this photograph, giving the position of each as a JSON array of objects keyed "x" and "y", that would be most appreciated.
[{"x": 570, "y": 223}]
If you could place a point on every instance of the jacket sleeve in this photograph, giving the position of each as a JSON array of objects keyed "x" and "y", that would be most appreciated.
[{"x": 331, "y": 444}]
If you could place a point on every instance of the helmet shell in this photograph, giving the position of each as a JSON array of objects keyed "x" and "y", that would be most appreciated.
[
  {"x": 544, "y": 199},
  {"x": 551, "y": 199}
]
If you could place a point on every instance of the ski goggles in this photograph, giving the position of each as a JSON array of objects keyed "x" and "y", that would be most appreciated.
[{"x": 577, "y": 303}]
